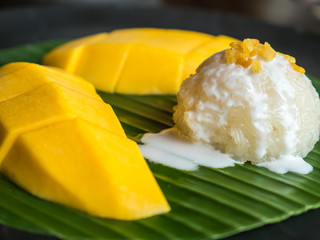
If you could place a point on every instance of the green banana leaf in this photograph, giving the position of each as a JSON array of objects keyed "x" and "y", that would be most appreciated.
[{"x": 206, "y": 204}]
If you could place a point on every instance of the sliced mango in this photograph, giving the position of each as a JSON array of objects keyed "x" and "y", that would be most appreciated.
[
  {"x": 88, "y": 168},
  {"x": 138, "y": 60},
  {"x": 20, "y": 77},
  {"x": 107, "y": 64},
  {"x": 72, "y": 50},
  {"x": 48, "y": 104},
  {"x": 61, "y": 142}
]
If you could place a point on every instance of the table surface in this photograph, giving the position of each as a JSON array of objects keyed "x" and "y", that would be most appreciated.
[{"x": 67, "y": 20}]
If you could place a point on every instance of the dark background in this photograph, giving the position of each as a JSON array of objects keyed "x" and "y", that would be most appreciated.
[{"x": 300, "y": 14}]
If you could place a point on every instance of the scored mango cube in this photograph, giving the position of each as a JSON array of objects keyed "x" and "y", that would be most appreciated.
[
  {"x": 61, "y": 142},
  {"x": 66, "y": 55},
  {"x": 177, "y": 41},
  {"x": 106, "y": 67},
  {"x": 48, "y": 104},
  {"x": 139, "y": 60},
  {"x": 101, "y": 173},
  {"x": 21, "y": 77}
]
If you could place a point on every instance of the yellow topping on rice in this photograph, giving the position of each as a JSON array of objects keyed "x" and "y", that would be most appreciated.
[{"x": 241, "y": 53}]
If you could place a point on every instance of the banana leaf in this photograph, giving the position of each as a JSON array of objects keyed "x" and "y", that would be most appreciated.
[{"x": 206, "y": 204}]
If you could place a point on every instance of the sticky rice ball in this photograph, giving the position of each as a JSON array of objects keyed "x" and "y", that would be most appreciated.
[{"x": 251, "y": 102}]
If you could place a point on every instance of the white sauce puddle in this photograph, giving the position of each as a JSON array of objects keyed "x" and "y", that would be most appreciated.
[
  {"x": 288, "y": 164},
  {"x": 170, "y": 149}
]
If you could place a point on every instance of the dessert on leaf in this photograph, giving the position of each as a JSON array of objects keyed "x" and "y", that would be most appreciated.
[
  {"x": 251, "y": 102},
  {"x": 247, "y": 103},
  {"x": 61, "y": 142},
  {"x": 138, "y": 60}
]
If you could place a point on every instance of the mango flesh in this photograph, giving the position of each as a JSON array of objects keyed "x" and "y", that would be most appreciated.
[
  {"x": 20, "y": 77},
  {"x": 50, "y": 103},
  {"x": 99, "y": 172},
  {"x": 68, "y": 146},
  {"x": 138, "y": 60}
]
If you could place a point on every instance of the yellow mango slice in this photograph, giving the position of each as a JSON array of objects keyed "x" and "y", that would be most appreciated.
[
  {"x": 108, "y": 68},
  {"x": 131, "y": 81},
  {"x": 61, "y": 142},
  {"x": 177, "y": 41},
  {"x": 48, "y": 104},
  {"x": 139, "y": 60},
  {"x": 66, "y": 56},
  {"x": 18, "y": 78},
  {"x": 109, "y": 52},
  {"x": 89, "y": 168}
]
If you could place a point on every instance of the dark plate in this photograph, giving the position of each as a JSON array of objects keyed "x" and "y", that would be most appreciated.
[{"x": 33, "y": 24}]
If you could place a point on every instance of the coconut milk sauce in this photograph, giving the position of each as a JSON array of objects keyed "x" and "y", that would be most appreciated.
[{"x": 170, "y": 149}]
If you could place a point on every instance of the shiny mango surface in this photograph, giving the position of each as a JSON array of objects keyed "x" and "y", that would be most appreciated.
[
  {"x": 20, "y": 77},
  {"x": 61, "y": 142},
  {"x": 138, "y": 60}
]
